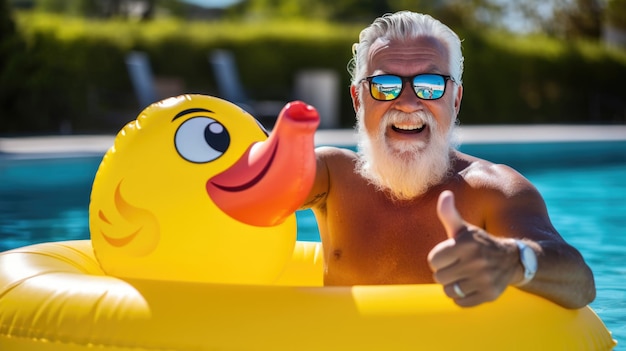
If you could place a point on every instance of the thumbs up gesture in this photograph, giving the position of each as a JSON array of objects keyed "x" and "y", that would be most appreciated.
[{"x": 472, "y": 265}]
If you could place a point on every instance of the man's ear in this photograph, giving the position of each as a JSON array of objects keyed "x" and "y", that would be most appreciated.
[
  {"x": 355, "y": 98},
  {"x": 457, "y": 100}
]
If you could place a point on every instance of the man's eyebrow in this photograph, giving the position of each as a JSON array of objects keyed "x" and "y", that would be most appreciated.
[{"x": 190, "y": 110}]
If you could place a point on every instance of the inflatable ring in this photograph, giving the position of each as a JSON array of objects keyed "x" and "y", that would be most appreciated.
[{"x": 55, "y": 296}]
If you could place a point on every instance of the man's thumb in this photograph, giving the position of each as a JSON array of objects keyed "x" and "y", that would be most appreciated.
[{"x": 448, "y": 214}]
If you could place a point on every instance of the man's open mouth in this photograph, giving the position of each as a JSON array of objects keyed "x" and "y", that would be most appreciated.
[{"x": 409, "y": 128}]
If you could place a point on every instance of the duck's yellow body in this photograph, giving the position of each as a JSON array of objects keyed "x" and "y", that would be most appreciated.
[{"x": 188, "y": 189}]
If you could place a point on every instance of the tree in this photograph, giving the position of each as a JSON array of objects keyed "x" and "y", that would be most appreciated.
[
  {"x": 616, "y": 14},
  {"x": 564, "y": 18},
  {"x": 582, "y": 18},
  {"x": 457, "y": 11},
  {"x": 12, "y": 66}
]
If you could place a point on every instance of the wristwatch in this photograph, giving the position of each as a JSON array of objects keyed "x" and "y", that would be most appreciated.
[{"x": 528, "y": 257}]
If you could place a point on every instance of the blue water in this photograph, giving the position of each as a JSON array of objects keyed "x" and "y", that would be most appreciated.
[
  {"x": 584, "y": 185},
  {"x": 588, "y": 206}
]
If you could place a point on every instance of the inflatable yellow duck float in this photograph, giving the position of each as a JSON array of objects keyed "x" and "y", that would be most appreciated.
[
  {"x": 194, "y": 184},
  {"x": 193, "y": 247}
]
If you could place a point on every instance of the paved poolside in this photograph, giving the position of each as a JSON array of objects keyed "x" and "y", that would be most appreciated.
[{"x": 340, "y": 137}]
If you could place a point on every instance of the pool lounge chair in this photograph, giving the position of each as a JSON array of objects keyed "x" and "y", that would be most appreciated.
[{"x": 230, "y": 88}]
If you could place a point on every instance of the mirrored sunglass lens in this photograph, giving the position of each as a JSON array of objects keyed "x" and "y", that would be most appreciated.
[
  {"x": 429, "y": 86},
  {"x": 385, "y": 87}
]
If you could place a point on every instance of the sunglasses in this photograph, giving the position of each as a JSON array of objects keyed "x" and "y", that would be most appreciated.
[{"x": 388, "y": 87}]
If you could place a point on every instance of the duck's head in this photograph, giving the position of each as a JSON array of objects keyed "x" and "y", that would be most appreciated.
[{"x": 194, "y": 190}]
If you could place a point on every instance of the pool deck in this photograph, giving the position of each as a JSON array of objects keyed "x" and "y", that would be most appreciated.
[{"x": 341, "y": 137}]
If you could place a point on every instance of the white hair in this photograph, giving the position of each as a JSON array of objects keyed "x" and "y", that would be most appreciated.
[
  {"x": 405, "y": 25},
  {"x": 404, "y": 170}
]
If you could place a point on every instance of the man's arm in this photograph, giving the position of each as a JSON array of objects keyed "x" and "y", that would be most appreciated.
[
  {"x": 320, "y": 188},
  {"x": 483, "y": 262},
  {"x": 562, "y": 275}
]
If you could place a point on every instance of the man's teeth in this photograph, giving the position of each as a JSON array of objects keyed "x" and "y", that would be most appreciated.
[{"x": 409, "y": 126}]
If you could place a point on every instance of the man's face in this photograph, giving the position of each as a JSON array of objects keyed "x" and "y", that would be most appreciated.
[
  {"x": 424, "y": 55},
  {"x": 404, "y": 143}
]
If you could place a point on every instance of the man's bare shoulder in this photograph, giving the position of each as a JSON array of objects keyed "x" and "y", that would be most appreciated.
[
  {"x": 333, "y": 151},
  {"x": 332, "y": 154},
  {"x": 483, "y": 174}
]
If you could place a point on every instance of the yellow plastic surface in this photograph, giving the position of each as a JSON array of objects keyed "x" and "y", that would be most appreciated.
[{"x": 54, "y": 296}]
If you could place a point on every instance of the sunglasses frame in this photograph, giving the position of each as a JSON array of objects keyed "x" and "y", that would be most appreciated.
[{"x": 410, "y": 80}]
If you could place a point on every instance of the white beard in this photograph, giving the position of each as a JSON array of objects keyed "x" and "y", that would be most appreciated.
[{"x": 405, "y": 169}]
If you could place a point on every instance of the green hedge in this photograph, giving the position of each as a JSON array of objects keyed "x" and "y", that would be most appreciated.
[{"x": 72, "y": 70}]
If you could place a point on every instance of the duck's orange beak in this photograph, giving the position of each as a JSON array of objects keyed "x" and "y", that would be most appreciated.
[{"x": 272, "y": 178}]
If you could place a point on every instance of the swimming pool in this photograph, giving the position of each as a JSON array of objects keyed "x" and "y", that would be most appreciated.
[{"x": 584, "y": 184}]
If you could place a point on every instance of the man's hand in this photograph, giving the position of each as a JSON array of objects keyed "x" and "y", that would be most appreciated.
[{"x": 472, "y": 265}]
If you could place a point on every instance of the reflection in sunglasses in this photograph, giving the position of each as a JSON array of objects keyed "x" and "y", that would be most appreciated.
[{"x": 387, "y": 87}]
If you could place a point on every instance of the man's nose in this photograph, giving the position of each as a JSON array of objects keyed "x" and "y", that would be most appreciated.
[{"x": 408, "y": 100}]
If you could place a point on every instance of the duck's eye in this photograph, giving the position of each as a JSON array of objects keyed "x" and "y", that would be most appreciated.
[{"x": 201, "y": 139}]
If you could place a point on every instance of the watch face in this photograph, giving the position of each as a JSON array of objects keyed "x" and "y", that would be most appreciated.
[{"x": 529, "y": 259}]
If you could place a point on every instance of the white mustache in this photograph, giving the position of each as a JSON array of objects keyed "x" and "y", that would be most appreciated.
[{"x": 418, "y": 118}]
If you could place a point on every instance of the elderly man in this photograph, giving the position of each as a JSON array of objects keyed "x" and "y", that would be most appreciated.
[{"x": 408, "y": 207}]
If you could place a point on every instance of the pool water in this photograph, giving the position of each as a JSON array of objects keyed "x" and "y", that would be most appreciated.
[
  {"x": 44, "y": 199},
  {"x": 588, "y": 207},
  {"x": 584, "y": 185}
]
